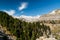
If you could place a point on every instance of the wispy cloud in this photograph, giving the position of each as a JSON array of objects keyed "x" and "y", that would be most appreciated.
[
  {"x": 23, "y": 6},
  {"x": 10, "y": 12}
]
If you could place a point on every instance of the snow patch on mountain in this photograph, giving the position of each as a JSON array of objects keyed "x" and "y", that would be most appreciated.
[{"x": 29, "y": 18}]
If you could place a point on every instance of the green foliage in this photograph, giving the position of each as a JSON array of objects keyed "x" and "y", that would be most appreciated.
[{"x": 21, "y": 29}]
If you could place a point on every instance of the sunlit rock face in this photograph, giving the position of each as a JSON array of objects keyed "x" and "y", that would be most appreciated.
[
  {"x": 45, "y": 38},
  {"x": 54, "y": 15},
  {"x": 55, "y": 12}
]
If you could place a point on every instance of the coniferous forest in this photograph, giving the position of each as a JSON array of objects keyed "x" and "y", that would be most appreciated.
[{"x": 23, "y": 30}]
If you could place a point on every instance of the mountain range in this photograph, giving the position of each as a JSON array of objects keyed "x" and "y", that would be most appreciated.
[{"x": 53, "y": 15}]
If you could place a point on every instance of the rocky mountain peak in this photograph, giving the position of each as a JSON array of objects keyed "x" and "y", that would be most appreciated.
[
  {"x": 57, "y": 11},
  {"x": 54, "y": 15}
]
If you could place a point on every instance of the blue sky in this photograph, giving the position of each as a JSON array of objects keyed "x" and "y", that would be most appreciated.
[{"x": 29, "y": 7}]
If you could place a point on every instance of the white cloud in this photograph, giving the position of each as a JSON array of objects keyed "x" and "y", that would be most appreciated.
[
  {"x": 23, "y": 6},
  {"x": 10, "y": 12}
]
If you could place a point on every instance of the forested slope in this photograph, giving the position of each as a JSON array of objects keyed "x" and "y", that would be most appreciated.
[{"x": 23, "y": 30}]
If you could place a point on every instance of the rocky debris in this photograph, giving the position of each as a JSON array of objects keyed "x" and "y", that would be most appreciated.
[
  {"x": 45, "y": 38},
  {"x": 5, "y": 31}
]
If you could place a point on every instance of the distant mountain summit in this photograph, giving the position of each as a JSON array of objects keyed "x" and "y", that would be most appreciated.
[
  {"x": 55, "y": 11},
  {"x": 54, "y": 15}
]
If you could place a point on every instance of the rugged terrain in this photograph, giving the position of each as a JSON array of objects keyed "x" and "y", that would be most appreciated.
[
  {"x": 52, "y": 20},
  {"x": 45, "y": 26},
  {"x": 5, "y": 32}
]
